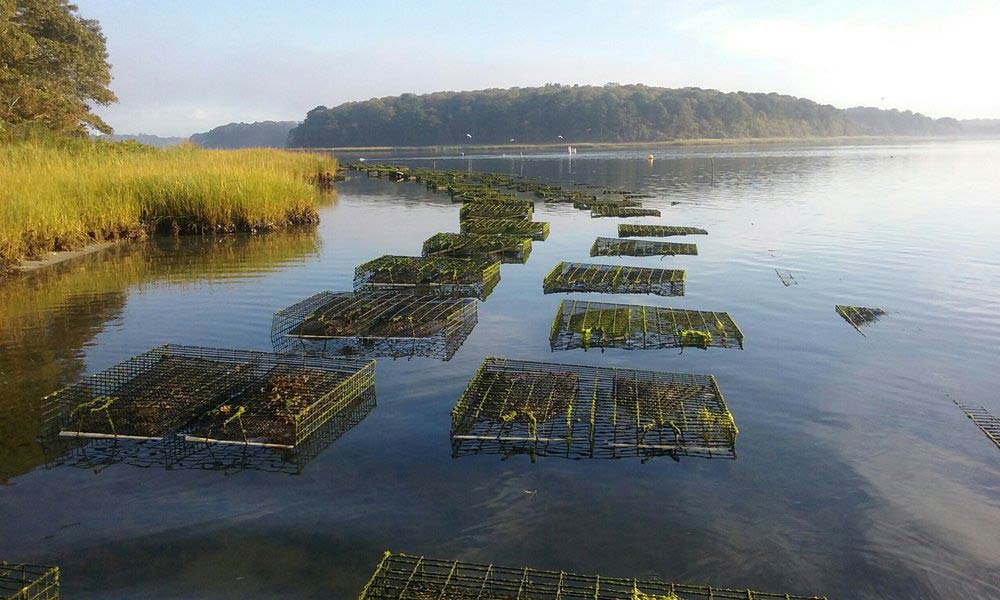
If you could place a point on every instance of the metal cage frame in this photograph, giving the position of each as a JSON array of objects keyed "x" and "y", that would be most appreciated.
[
  {"x": 444, "y": 275},
  {"x": 26, "y": 581},
  {"x": 505, "y": 247},
  {"x": 536, "y": 230},
  {"x": 605, "y": 246},
  {"x": 633, "y": 230},
  {"x": 613, "y": 279}
]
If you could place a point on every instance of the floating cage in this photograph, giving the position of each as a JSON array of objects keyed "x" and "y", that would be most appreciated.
[
  {"x": 588, "y": 325},
  {"x": 443, "y": 275},
  {"x": 375, "y": 324},
  {"x": 23, "y": 581},
  {"x": 406, "y": 577},
  {"x": 536, "y": 230},
  {"x": 627, "y": 230},
  {"x": 495, "y": 210},
  {"x": 575, "y": 411},
  {"x": 588, "y": 277},
  {"x": 787, "y": 278},
  {"x": 590, "y": 202},
  {"x": 506, "y": 248},
  {"x": 859, "y": 316},
  {"x": 227, "y": 396},
  {"x": 614, "y": 210},
  {"x": 604, "y": 246},
  {"x": 986, "y": 422}
]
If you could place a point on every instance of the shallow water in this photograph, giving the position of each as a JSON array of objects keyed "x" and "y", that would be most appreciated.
[{"x": 856, "y": 475}]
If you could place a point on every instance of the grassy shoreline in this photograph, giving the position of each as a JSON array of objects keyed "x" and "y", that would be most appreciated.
[{"x": 66, "y": 196}]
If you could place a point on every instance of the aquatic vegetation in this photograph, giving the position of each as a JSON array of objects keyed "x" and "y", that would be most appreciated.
[
  {"x": 588, "y": 277},
  {"x": 614, "y": 210},
  {"x": 25, "y": 581},
  {"x": 694, "y": 337},
  {"x": 495, "y": 210},
  {"x": 574, "y": 411},
  {"x": 61, "y": 198},
  {"x": 618, "y": 247},
  {"x": 859, "y": 316},
  {"x": 375, "y": 324},
  {"x": 407, "y": 577},
  {"x": 984, "y": 420},
  {"x": 507, "y": 248},
  {"x": 629, "y": 230},
  {"x": 474, "y": 276},
  {"x": 536, "y": 230}
]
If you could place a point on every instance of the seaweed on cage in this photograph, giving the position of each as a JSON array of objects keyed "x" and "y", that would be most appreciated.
[
  {"x": 613, "y": 210},
  {"x": 506, "y": 248},
  {"x": 589, "y": 277},
  {"x": 604, "y": 246},
  {"x": 859, "y": 316},
  {"x": 495, "y": 210},
  {"x": 435, "y": 275},
  {"x": 632, "y": 230},
  {"x": 536, "y": 230}
]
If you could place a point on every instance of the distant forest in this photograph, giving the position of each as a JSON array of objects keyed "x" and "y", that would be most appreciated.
[
  {"x": 610, "y": 113},
  {"x": 270, "y": 134}
]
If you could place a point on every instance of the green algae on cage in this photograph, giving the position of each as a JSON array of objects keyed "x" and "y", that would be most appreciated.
[
  {"x": 375, "y": 324},
  {"x": 859, "y": 316},
  {"x": 984, "y": 420},
  {"x": 614, "y": 210},
  {"x": 25, "y": 581},
  {"x": 589, "y": 277},
  {"x": 506, "y": 248},
  {"x": 408, "y": 577},
  {"x": 786, "y": 278},
  {"x": 231, "y": 396},
  {"x": 536, "y": 230},
  {"x": 604, "y": 246},
  {"x": 590, "y": 202},
  {"x": 575, "y": 411},
  {"x": 495, "y": 210},
  {"x": 630, "y": 230},
  {"x": 581, "y": 324},
  {"x": 444, "y": 275}
]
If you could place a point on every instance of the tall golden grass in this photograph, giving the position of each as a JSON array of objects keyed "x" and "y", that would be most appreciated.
[{"x": 66, "y": 195}]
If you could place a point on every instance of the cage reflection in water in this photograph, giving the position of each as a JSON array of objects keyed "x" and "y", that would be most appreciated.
[
  {"x": 429, "y": 275},
  {"x": 407, "y": 577},
  {"x": 172, "y": 452},
  {"x": 24, "y": 581},
  {"x": 589, "y": 277},
  {"x": 575, "y": 411},
  {"x": 581, "y": 324},
  {"x": 375, "y": 324},
  {"x": 505, "y": 248},
  {"x": 604, "y": 246}
]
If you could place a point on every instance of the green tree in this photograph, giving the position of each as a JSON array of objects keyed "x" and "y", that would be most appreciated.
[{"x": 53, "y": 67}]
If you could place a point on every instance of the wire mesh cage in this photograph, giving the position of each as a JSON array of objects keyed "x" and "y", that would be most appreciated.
[
  {"x": 859, "y": 316},
  {"x": 984, "y": 420},
  {"x": 495, "y": 210},
  {"x": 433, "y": 275},
  {"x": 24, "y": 581},
  {"x": 604, "y": 246},
  {"x": 375, "y": 324},
  {"x": 588, "y": 203},
  {"x": 574, "y": 411},
  {"x": 505, "y": 248},
  {"x": 408, "y": 577},
  {"x": 536, "y": 230},
  {"x": 226, "y": 396},
  {"x": 629, "y": 230},
  {"x": 614, "y": 210},
  {"x": 589, "y": 277},
  {"x": 580, "y": 324}
]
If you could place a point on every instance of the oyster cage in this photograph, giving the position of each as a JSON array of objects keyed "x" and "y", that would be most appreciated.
[
  {"x": 210, "y": 395},
  {"x": 536, "y": 230},
  {"x": 575, "y": 411},
  {"x": 604, "y": 246},
  {"x": 580, "y": 324},
  {"x": 588, "y": 277},
  {"x": 406, "y": 577},
  {"x": 506, "y": 248},
  {"x": 23, "y": 581},
  {"x": 615, "y": 210},
  {"x": 986, "y": 422},
  {"x": 495, "y": 210},
  {"x": 627, "y": 230},
  {"x": 375, "y": 324},
  {"x": 859, "y": 316},
  {"x": 465, "y": 277}
]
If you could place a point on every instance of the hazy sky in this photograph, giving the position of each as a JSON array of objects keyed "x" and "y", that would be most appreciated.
[{"x": 184, "y": 66}]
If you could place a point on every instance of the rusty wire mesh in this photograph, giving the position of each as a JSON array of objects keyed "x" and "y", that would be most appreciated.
[
  {"x": 589, "y": 277},
  {"x": 24, "y": 581},
  {"x": 604, "y": 246}
]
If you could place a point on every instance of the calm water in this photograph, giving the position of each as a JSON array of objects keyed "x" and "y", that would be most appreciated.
[{"x": 856, "y": 476}]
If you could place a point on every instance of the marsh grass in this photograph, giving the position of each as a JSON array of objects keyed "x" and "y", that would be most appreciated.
[{"x": 63, "y": 195}]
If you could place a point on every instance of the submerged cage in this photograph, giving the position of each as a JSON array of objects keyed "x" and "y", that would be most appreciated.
[
  {"x": 984, "y": 420},
  {"x": 859, "y": 316},
  {"x": 24, "y": 581},
  {"x": 444, "y": 275},
  {"x": 406, "y": 577},
  {"x": 586, "y": 325},
  {"x": 615, "y": 210},
  {"x": 375, "y": 324},
  {"x": 226, "y": 396},
  {"x": 496, "y": 210},
  {"x": 536, "y": 230},
  {"x": 588, "y": 277},
  {"x": 506, "y": 248},
  {"x": 627, "y": 230},
  {"x": 604, "y": 246},
  {"x": 575, "y": 411}
]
